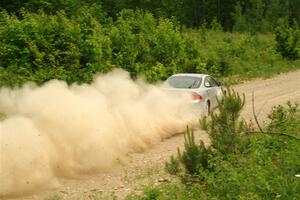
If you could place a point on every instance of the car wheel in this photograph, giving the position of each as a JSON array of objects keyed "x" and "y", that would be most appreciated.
[{"x": 206, "y": 110}]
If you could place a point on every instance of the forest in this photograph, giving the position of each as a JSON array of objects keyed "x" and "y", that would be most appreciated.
[{"x": 73, "y": 40}]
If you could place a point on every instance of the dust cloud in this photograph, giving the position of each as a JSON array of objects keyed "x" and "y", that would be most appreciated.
[{"x": 56, "y": 130}]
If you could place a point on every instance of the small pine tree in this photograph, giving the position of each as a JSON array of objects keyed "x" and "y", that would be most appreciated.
[
  {"x": 195, "y": 157},
  {"x": 225, "y": 130},
  {"x": 225, "y": 127}
]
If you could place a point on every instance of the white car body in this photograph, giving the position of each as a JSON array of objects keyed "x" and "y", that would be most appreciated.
[{"x": 205, "y": 90}]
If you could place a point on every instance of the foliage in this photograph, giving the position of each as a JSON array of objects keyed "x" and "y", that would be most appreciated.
[
  {"x": 225, "y": 128},
  {"x": 261, "y": 166},
  {"x": 245, "y": 16},
  {"x": 41, "y": 47},
  {"x": 74, "y": 40},
  {"x": 170, "y": 191},
  {"x": 283, "y": 118},
  {"x": 173, "y": 166},
  {"x": 231, "y": 54},
  {"x": 143, "y": 45},
  {"x": 261, "y": 15},
  {"x": 225, "y": 131},
  {"x": 194, "y": 158},
  {"x": 288, "y": 39}
]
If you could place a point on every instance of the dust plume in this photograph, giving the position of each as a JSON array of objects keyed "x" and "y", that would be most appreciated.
[{"x": 56, "y": 130}]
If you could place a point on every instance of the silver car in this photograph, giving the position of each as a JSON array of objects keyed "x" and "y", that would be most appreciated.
[{"x": 204, "y": 89}]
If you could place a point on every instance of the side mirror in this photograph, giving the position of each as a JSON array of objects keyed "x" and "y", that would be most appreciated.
[
  {"x": 207, "y": 84},
  {"x": 220, "y": 83}
]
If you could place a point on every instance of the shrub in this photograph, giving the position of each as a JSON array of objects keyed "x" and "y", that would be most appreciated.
[
  {"x": 284, "y": 118},
  {"x": 146, "y": 46},
  {"x": 288, "y": 39},
  {"x": 76, "y": 45},
  {"x": 225, "y": 128},
  {"x": 194, "y": 158},
  {"x": 173, "y": 166},
  {"x": 225, "y": 131},
  {"x": 256, "y": 166},
  {"x": 41, "y": 47}
]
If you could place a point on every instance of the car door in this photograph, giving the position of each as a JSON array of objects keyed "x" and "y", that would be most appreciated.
[{"x": 212, "y": 90}]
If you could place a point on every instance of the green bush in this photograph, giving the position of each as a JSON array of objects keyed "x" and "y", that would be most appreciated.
[
  {"x": 226, "y": 128},
  {"x": 41, "y": 47},
  {"x": 283, "y": 118},
  {"x": 170, "y": 191},
  {"x": 146, "y": 46},
  {"x": 242, "y": 55},
  {"x": 288, "y": 39},
  {"x": 173, "y": 166},
  {"x": 194, "y": 158},
  {"x": 257, "y": 166},
  {"x": 74, "y": 47}
]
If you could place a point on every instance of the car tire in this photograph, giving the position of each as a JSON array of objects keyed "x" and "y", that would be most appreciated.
[{"x": 206, "y": 110}]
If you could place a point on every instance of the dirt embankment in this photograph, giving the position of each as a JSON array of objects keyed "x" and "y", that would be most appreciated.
[{"x": 139, "y": 169}]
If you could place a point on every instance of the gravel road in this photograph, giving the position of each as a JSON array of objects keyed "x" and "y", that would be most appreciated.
[{"x": 147, "y": 168}]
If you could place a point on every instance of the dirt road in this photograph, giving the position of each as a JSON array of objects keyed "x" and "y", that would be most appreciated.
[{"x": 140, "y": 169}]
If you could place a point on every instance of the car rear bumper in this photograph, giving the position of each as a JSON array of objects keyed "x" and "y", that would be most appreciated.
[{"x": 200, "y": 107}]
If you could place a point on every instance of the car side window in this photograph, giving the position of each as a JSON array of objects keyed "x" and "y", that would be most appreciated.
[
  {"x": 213, "y": 83},
  {"x": 207, "y": 82},
  {"x": 210, "y": 82}
]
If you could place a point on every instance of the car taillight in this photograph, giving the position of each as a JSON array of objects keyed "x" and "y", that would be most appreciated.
[{"x": 196, "y": 96}]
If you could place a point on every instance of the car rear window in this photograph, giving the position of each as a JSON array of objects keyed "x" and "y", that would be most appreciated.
[{"x": 185, "y": 82}]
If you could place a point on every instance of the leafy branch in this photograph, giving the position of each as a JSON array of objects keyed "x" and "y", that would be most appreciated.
[{"x": 267, "y": 132}]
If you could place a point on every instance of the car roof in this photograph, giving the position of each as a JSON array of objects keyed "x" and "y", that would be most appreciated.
[{"x": 190, "y": 74}]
